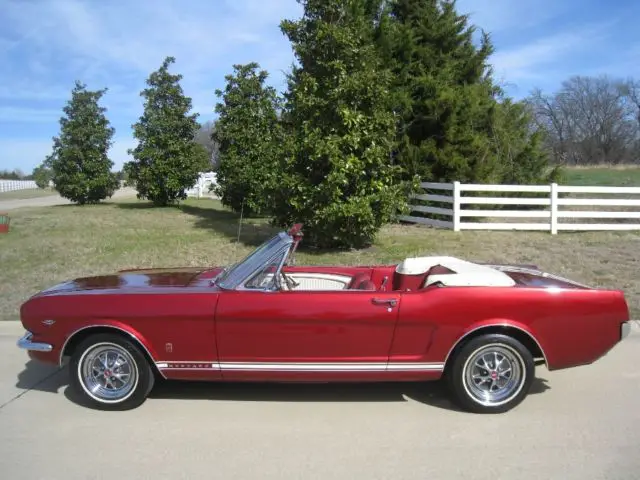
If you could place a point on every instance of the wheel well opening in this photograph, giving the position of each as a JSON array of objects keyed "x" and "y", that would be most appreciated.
[
  {"x": 520, "y": 335},
  {"x": 79, "y": 337}
]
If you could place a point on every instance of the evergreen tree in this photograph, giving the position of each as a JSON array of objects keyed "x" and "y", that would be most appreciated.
[
  {"x": 167, "y": 160},
  {"x": 338, "y": 178},
  {"x": 249, "y": 139},
  {"x": 447, "y": 104},
  {"x": 79, "y": 164},
  {"x": 524, "y": 159}
]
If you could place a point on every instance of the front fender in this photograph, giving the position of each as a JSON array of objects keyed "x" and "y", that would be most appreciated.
[{"x": 104, "y": 326}]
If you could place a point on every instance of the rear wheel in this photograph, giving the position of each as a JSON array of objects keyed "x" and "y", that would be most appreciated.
[
  {"x": 491, "y": 374},
  {"x": 110, "y": 372}
]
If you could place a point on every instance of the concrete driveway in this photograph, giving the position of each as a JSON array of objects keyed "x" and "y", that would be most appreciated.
[
  {"x": 50, "y": 200},
  {"x": 582, "y": 424}
]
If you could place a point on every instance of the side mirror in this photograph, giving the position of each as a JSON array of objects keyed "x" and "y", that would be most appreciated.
[{"x": 296, "y": 230}]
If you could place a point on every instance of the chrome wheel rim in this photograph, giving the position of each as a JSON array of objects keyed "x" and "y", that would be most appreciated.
[
  {"x": 108, "y": 373},
  {"x": 494, "y": 374}
]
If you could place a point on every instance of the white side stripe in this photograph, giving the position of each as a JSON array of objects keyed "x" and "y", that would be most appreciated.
[
  {"x": 321, "y": 367},
  {"x": 303, "y": 366},
  {"x": 415, "y": 366}
]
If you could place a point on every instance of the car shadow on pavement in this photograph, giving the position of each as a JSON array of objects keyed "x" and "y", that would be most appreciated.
[
  {"x": 50, "y": 379},
  {"x": 433, "y": 394},
  {"x": 41, "y": 377}
]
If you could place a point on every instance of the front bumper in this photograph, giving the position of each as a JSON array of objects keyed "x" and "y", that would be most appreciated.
[
  {"x": 26, "y": 344},
  {"x": 625, "y": 330}
]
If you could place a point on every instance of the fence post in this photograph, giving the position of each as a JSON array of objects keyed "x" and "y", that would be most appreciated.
[
  {"x": 456, "y": 206},
  {"x": 554, "y": 208}
]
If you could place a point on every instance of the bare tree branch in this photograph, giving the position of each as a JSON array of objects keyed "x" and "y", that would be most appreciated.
[{"x": 590, "y": 120}]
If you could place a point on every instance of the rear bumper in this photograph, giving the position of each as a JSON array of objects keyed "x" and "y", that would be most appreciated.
[
  {"x": 26, "y": 344},
  {"x": 625, "y": 330}
]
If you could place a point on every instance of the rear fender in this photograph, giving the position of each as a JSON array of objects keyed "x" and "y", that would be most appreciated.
[{"x": 478, "y": 327}]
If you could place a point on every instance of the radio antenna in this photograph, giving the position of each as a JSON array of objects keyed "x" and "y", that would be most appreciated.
[{"x": 240, "y": 221}]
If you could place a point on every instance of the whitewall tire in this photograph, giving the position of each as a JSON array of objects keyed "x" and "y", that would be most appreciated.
[
  {"x": 110, "y": 372},
  {"x": 491, "y": 374}
]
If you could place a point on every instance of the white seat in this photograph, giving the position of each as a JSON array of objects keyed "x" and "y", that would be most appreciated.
[{"x": 465, "y": 273}]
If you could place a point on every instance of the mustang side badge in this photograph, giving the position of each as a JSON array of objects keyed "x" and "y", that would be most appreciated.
[{"x": 48, "y": 323}]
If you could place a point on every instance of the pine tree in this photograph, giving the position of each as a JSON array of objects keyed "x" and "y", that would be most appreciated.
[
  {"x": 521, "y": 149},
  {"x": 448, "y": 106},
  {"x": 167, "y": 160},
  {"x": 338, "y": 179},
  {"x": 79, "y": 165},
  {"x": 249, "y": 138}
]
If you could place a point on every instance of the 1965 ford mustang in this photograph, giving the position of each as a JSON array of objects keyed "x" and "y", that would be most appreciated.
[{"x": 482, "y": 328}]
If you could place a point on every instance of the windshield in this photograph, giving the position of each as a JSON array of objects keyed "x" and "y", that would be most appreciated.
[{"x": 238, "y": 272}]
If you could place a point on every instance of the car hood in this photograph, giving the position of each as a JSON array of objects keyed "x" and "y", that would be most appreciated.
[{"x": 140, "y": 279}]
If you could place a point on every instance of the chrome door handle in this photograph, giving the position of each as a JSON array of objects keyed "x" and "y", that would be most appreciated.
[{"x": 384, "y": 301}]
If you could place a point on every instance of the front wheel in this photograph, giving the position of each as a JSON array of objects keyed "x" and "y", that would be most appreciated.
[
  {"x": 491, "y": 374},
  {"x": 110, "y": 372}
]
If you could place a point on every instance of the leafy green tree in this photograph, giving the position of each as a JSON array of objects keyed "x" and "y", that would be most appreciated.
[
  {"x": 42, "y": 175},
  {"x": 447, "y": 104},
  {"x": 80, "y": 166},
  {"x": 167, "y": 161},
  {"x": 338, "y": 179},
  {"x": 249, "y": 139}
]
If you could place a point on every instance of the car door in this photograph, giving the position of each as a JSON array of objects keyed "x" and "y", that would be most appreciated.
[{"x": 310, "y": 334}]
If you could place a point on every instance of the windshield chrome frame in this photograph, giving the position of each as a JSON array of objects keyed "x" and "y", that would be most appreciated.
[{"x": 244, "y": 270}]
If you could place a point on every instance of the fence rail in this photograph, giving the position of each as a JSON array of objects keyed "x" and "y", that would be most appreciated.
[
  {"x": 201, "y": 188},
  {"x": 12, "y": 185},
  {"x": 450, "y": 200}
]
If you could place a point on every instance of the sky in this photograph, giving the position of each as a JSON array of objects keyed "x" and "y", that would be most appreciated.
[{"x": 45, "y": 45}]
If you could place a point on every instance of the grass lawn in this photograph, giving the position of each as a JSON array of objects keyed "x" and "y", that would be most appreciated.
[
  {"x": 52, "y": 244},
  {"x": 623, "y": 176},
  {"x": 27, "y": 193}
]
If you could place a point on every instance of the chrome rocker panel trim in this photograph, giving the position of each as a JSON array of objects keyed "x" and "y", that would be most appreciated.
[{"x": 311, "y": 367}]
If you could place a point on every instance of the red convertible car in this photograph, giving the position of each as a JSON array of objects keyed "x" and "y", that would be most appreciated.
[{"x": 482, "y": 328}]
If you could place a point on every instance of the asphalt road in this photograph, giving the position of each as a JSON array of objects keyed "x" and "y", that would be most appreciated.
[
  {"x": 582, "y": 423},
  {"x": 50, "y": 200}
]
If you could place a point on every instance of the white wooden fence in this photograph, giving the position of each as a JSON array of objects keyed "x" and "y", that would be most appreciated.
[
  {"x": 451, "y": 201},
  {"x": 201, "y": 188},
  {"x": 11, "y": 185}
]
